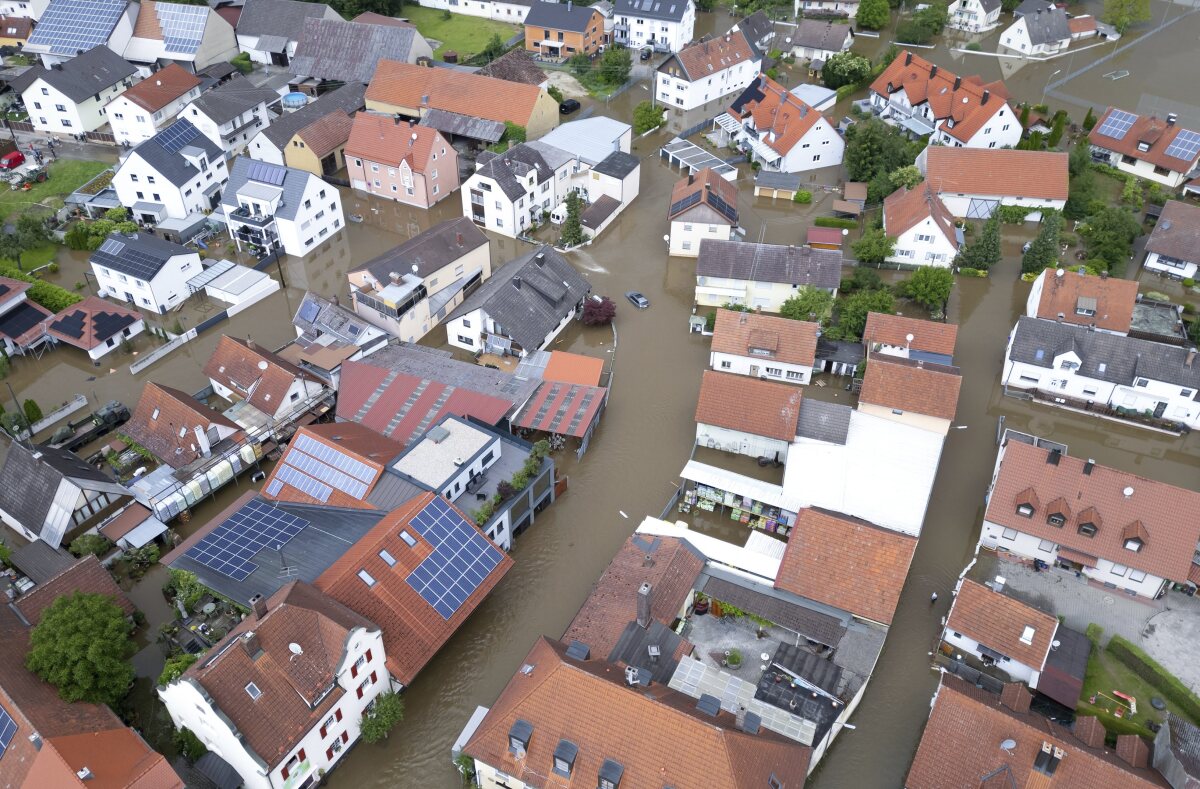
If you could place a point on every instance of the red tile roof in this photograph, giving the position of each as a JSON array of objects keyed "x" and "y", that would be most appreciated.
[
  {"x": 254, "y": 373},
  {"x": 783, "y": 340},
  {"x": 349, "y": 438},
  {"x": 702, "y": 59},
  {"x": 1167, "y": 513},
  {"x": 116, "y": 758},
  {"x": 904, "y": 209},
  {"x": 749, "y": 405},
  {"x": 927, "y": 336},
  {"x": 1002, "y": 172},
  {"x": 846, "y": 563},
  {"x": 780, "y": 117},
  {"x": 671, "y": 571},
  {"x": 413, "y": 631},
  {"x": 382, "y": 139},
  {"x": 404, "y": 85},
  {"x": 162, "y": 412},
  {"x": 656, "y": 734},
  {"x": 949, "y": 99},
  {"x": 573, "y": 368},
  {"x": 1114, "y": 297},
  {"x": 830, "y": 236},
  {"x": 1149, "y": 129},
  {"x": 565, "y": 404},
  {"x": 86, "y": 576},
  {"x": 99, "y": 319},
  {"x": 911, "y": 386},
  {"x": 327, "y": 133},
  {"x": 1082, "y": 24},
  {"x": 710, "y": 185},
  {"x": 998, "y": 622},
  {"x": 1177, "y": 232},
  {"x": 15, "y": 27},
  {"x": 163, "y": 86}
]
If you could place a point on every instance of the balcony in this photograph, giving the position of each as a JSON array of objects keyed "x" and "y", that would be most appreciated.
[{"x": 247, "y": 217}]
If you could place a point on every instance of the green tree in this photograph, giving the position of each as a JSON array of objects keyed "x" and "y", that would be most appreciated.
[
  {"x": 242, "y": 63},
  {"x": 33, "y": 411},
  {"x": 1089, "y": 120},
  {"x": 572, "y": 232},
  {"x": 494, "y": 49},
  {"x": 580, "y": 65},
  {"x": 615, "y": 65},
  {"x": 873, "y": 147},
  {"x": 381, "y": 718},
  {"x": 853, "y": 310},
  {"x": 873, "y": 14},
  {"x": 1025, "y": 116},
  {"x": 874, "y": 247},
  {"x": 95, "y": 544},
  {"x": 1080, "y": 157},
  {"x": 930, "y": 287},
  {"x": 808, "y": 304},
  {"x": 82, "y": 647},
  {"x": 646, "y": 116},
  {"x": 189, "y": 745},
  {"x": 1121, "y": 14},
  {"x": 862, "y": 278},
  {"x": 1043, "y": 250},
  {"x": 1109, "y": 235},
  {"x": 175, "y": 666},
  {"x": 906, "y": 177},
  {"x": 117, "y": 214},
  {"x": 845, "y": 68},
  {"x": 555, "y": 93},
  {"x": 984, "y": 251},
  {"x": 1056, "y": 132}
]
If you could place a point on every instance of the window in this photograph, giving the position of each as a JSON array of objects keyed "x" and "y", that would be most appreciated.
[
  {"x": 1027, "y": 635},
  {"x": 1045, "y": 546},
  {"x": 362, "y": 688},
  {"x": 388, "y": 558},
  {"x": 409, "y": 540},
  {"x": 253, "y": 691},
  {"x": 366, "y": 577},
  {"x": 149, "y": 179},
  {"x": 794, "y": 375},
  {"x": 776, "y": 371},
  {"x": 687, "y": 228},
  {"x": 726, "y": 365},
  {"x": 45, "y": 92},
  {"x": 466, "y": 341},
  {"x": 1142, "y": 382},
  {"x": 564, "y": 758},
  {"x": 1009, "y": 534},
  {"x": 1056, "y": 519},
  {"x": 1025, "y": 510},
  {"x": 1133, "y": 544},
  {"x": 1137, "y": 576},
  {"x": 1087, "y": 529},
  {"x": 66, "y": 123},
  {"x": 362, "y": 661},
  {"x": 1119, "y": 570}
]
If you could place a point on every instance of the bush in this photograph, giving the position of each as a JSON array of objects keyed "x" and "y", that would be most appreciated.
[
  {"x": 1137, "y": 661},
  {"x": 95, "y": 544},
  {"x": 1012, "y": 214},
  {"x": 803, "y": 197},
  {"x": 189, "y": 745},
  {"x": 974, "y": 46},
  {"x": 175, "y": 667},
  {"x": 1188, "y": 282},
  {"x": 555, "y": 93},
  {"x": 972, "y": 272},
  {"x": 835, "y": 221},
  {"x": 646, "y": 117},
  {"x": 845, "y": 91},
  {"x": 598, "y": 312},
  {"x": 186, "y": 587},
  {"x": 1094, "y": 634},
  {"x": 386, "y": 711},
  {"x": 242, "y": 62}
]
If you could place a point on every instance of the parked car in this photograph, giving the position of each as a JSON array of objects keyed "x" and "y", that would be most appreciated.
[
  {"x": 12, "y": 160},
  {"x": 637, "y": 299},
  {"x": 646, "y": 54},
  {"x": 568, "y": 106}
]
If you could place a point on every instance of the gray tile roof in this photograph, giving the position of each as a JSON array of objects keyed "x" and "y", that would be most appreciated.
[
  {"x": 1031, "y": 7},
  {"x": 618, "y": 164},
  {"x": 82, "y": 76},
  {"x": 280, "y": 17},
  {"x": 558, "y": 16},
  {"x": 824, "y": 421},
  {"x": 517, "y": 162},
  {"x": 334, "y": 49},
  {"x": 392, "y": 489},
  {"x": 41, "y": 561},
  {"x": 1048, "y": 26},
  {"x": 30, "y": 478},
  {"x": 516, "y": 65},
  {"x": 669, "y": 10},
  {"x": 757, "y": 27},
  {"x": 348, "y": 98},
  {"x": 429, "y": 251},
  {"x": 225, "y": 102},
  {"x": 293, "y": 184},
  {"x": 1103, "y": 356},
  {"x": 529, "y": 296},
  {"x": 463, "y": 125},
  {"x": 435, "y": 365},
  {"x": 1177, "y": 232},
  {"x": 820, "y": 34},
  {"x": 157, "y": 151},
  {"x": 792, "y": 265},
  {"x": 142, "y": 255},
  {"x": 770, "y": 179},
  {"x": 990, "y": 5}
]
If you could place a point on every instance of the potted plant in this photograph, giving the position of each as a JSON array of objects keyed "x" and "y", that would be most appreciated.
[{"x": 733, "y": 658}]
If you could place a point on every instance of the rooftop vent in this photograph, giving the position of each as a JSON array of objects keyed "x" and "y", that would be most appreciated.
[
  {"x": 709, "y": 705},
  {"x": 1088, "y": 466},
  {"x": 751, "y": 723},
  {"x": 438, "y": 434},
  {"x": 1054, "y": 456},
  {"x": 459, "y": 461},
  {"x": 83, "y": 773},
  {"x": 578, "y": 650}
]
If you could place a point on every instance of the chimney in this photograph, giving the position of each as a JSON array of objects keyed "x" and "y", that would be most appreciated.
[
  {"x": 516, "y": 281},
  {"x": 251, "y": 645},
  {"x": 425, "y": 100},
  {"x": 643, "y": 604},
  {"x": 1089, "y": 731},
  {"x": 1191, "y": 357},
  {"x": 394, "y": 277},
  {"x": 987, "y": 94},
  {"x": 1171, "y": 118},
  {"x": 957, "y": 83},
  {"x": 648, "y": 560},
  {"x": 202, "y": 440},
  {"x": 907, "y": 58},
  {"x": 691, "y": 178},
  {"x": 258, "y": 605},
  {"x": 396, "y": 119},
  {"x": 933, "y": 71},
  {"x": 458, "y": 239},
  {"x": 1133, "y": 750},
  {"x": 1087, "y": 467},
  {"x": 1016, "y": 697},
  {"x": 1053, "y": 458}
]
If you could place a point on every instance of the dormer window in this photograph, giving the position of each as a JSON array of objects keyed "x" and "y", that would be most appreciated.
[
  {"x": 1134, "y": 536},
  {"x": 1088, "y": 529},
  {"x": 564, "y": 758},
  {"x": 518, "y": 738},
  {"x": 610, "y": 774},
  {"x": 1025, "y": 510},
  {"x": 1056, "y": 519},
  {"x": 1047, "y": 760}
]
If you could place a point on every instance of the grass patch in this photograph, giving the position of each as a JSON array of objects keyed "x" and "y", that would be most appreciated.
[
  {"x": 466, "y": 35},
  {"x": 1104, "y": 674},
  {"x": 34, "y": 258},
  {"x": 66, "y": 175}
]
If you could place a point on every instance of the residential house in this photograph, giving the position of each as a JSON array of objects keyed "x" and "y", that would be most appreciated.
[
  {"x": 339, "y": 52},
  {"x": 1174, "y": 751},
  {"x": 910, "y": 391},
  {"x": 176, "y": 174},
  {"x": 1082, "y": 27},
  {"x": 662, "y": 25},
  {"x": 410, "y": 164},
  {"x": 274, "y": 144},
  {"x": 517, "y": 65},
  {"x": 300, "y": 657},
  {"x": 231, "y": 113},
  {"x": 1045, "y": 31},
  {"x": 70, "y": 97},
  {"x": 138, "y": 113},
  {"x": 1031, "y": 7},
  {"x": 510, "y": 11},
  {"x": 193, "y": 36},
  {"x": 701, "y": 75},
  {"x": 328, "y": 334},
  {"x": 270, "y": 30},
  {"x": 14, "y": 30},
  {"x": 177, "y": 428},
  {"x": 144, "y": 270},
  {"x": 66, "y": 28},
  {"x": 525, "y": 304},
  {"x": 961, "y": 745},
  {"x": 51, "y": 495},
  {"x": 703, "y": 206},
  {"x": 22, "y": 321},
  {"x": 974, "y": 16},
  {"x": 562, "y": 30},
  {"x": 411, "y": 91},
  {"x": 241, "y": 370},
  {"x": 764, "y": 346},
  {"x": 960, "y": 112},
  {"x": 303, "y": 474},
  {"x": 610, "y": 186},
  {"x": 1101, "y": 302},
  {"x": 1000, "y": 630},
  {"x": 273, "y": 208},
  {"x": 973, "y": 182},
  {"x": 923, "y": 228},
  {"x": 1146, "y": 146},
  {"x": 320, "y": 147},
  {"x": 820, "y": 39},
  {"x": 780, "y": 131},
  {"x": 1128, "y": 532},
  {"x": 96, "y": 326},
  {"x": 591, "y": 140},
  {"x": 410, "y": 289},
  {"x": 397, "y": 573},
  {"x": 910, "y": 338},
  {"x": 567, "y": 717},
  {"x": 85, "y": 575},
  {"x": 762, "y": 276},
  {"x": 1174, "y": 245},
  {"x": 511, "y": 191},
  {"x": 758, "y": 29},
  {"x": 1065, "y": 363},
  {"x": 747, "y": 416}
]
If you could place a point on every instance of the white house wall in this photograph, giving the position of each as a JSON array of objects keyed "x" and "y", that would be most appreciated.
[
  {"x": 166, "y": 290},
  {"x": 760, "y": 367},
  {"x": 87, "y": 115},
  {"x": 739, "y": 442},
  {"x": 686, "y": 236},
  {"x": 1165, "y": 266},
  {"x": 463, "y": 332},
  {"x": 821, "y": 147},
  {"x": 678, "y": 92},
  {"x": 958, "y": 203},
  {"x": 1015, "y": 669},
  {"x": 264, "y": 150},
  {"x": 924, "y": 245}
]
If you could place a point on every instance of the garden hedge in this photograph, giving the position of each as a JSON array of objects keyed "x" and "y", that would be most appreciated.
[{"x": 834, "y": 221}]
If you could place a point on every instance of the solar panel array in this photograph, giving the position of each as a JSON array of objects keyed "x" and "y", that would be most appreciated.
[
  {"x": 462, "y": 558},
  {"x": 132, "y": 261},
  {"x": 309, "y": 311},
  {"x": 722, "y": 208},
  {"x": 1185, "y": 146},
  {"x": 182, "y": 26},
  {"x": 318, "y": 469},
  {"x": 8, "y": 728},
  {"x": 686, "y": 202},
  {"x": 177, "y": 136},
  {"x": 229, "y": 548},
  {"x": 1117, "y": 124},
  {"x": 267, "y": 173},
  {"x": 303, "y": 482},
  {"x": 68, "y": 27},
  {"x": 112, "y": 246}
]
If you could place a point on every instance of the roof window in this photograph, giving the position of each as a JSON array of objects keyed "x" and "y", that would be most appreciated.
[{"x": 253, "y": 691}]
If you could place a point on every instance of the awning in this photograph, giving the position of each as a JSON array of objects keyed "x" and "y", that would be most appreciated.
[
  {"x": 915, "y": 125},
  {"x": 211, "y": 189},
  {"x": 1079, "y": 557},
  {"x": 158, "y": 209},
  {"x": 556, "y": 407},
  {"x": 272, "y": 43}
]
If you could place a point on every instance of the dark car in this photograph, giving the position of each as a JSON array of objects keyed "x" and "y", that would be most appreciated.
[
  {"x": 637, "y": 299},
  {"x": 647, "y": 53},
  {"x": 568, "y": 106}
]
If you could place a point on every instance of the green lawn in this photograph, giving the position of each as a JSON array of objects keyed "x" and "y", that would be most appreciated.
[
  {"x": 66, "y": 175},
  {"x": 34, "y": 258},
  {"x": 466, "y": 35},
  {"x": 1104, "y": 675}
]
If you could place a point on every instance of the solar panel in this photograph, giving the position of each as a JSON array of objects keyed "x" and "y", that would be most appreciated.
[
  {"x": 723, "y": 208},
  {"x": 333, "y": 457},
  {"x": 274, "y": 488},
  {"x": 327, "y": 474},
  {"x": 107, "y": 324},
  {"x": 462, "y": 558},
  {"x": 303, "y": 482},
  {"x": 309, "y": 311},
  {"x": 1117, "y": 124},
  {"x": 112, "y": 246},
  {"x": 686, "y": 202},
  {"x": 267, "y": 173},
  {"x": 8, "y": 727},
  {"x": 68, "y": 27},
  {"x": 229, "y": 548},
  {"x": 176, "y": 136},
  {"x": 70, "y": 325},
  {"x": 1185, "y": 146},
  {"x": 182, "y": 26}
]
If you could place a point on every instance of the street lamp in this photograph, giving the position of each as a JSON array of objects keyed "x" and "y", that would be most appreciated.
[{"x": 1047, "y": 85}]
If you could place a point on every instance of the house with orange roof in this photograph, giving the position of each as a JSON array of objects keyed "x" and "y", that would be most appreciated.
[
  {"x": 703, "y": 206},
  {"x": 973, "y": 182},
  {"x": 14, "y": 30},
  {"x": 96, "y": 326},
  {"x": 924, "y": 99},
  {"x": 922, "y": 227},
  {"x": 974, "y": 16},
  {"x": 1102, "y": 302},
  {"x": 243, "y": 371},
  {"x": 910, "y": 338},
  {"x": 747, "y": 416},
  {"x": 779, "y": 130},
  {"x": 192, "y": 36},
  {"x": 320, "y": 147},
  {"x": 1157, "y": 149},
  {"x": 764, "y": 346},
  {"x": 1000, "y": 630},
  {"x": 702, "y": 74},
  {"x": 401, "y": 161},
  {"x": 910, "y": 391},
  {"x": 177, "y": 428}
]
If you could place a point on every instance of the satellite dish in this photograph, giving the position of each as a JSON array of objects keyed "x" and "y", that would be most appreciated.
[
  {"x": 1128, "y": 492},
  {"x": 1008, "y": 745},
  {"x": 295, "y": 649},
  {"x": 263, "y": 365},
  {"x": 908, "y": 337},
  {"x": 1055, "y": 644}
]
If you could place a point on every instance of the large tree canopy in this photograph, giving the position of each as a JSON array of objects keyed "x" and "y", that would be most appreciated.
[{"x": 82, "y": 647}]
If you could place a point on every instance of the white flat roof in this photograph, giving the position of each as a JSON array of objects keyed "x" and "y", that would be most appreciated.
[
  {"x": 591, "y": 139},
  {"x": 715, "y": 551},
  {"x": 236, "y": 280},
  {"x": 883, "y": 473},
  {"x": 714, "y": 477},
  {"x": 432, "y": 462}
]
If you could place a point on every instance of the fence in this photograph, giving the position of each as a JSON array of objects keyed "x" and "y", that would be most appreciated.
[
  {"x": 93, "y": 136},
  {"x": 162, "y": 350},
  {"x": 972, "y": 675},
  {"x": 20, "y": 126},
  {"x": 64, "y": 410}
]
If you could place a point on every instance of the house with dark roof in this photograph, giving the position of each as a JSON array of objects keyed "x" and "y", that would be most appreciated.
[
  {"x": 922, "y": 227},
  {"x": 511, "y": 191},
  {"x": 1044, "y": 31},
  {"x": 1069, "y": 363},
  {"x": 176, "y": 174},
  {"x": 1157, "y": 149},
  {"x": 780, "y": 130},
  {"x": 270, "y": 30},
  {"x": 1000, "y": 630},
  {"x": 51, "y": 495},
  {"x": 95, "y": 326},
  {"x": 703, "y": 207},
  {"x": 758, "y": 29},
  {"x": 702, "y": 74},
  {"x": 562, "y": 30},
  {"x": 144, "y": 270},
  {"x": 410, "y": 289},
  {"x": 764, "y": 346},
  {"x": 820, "y": 39},
  {"x": 400, "y": 161},
  {"x": 243, "y": 371},
  {"x": 340, "y": 52},
  {"x": 1102, "y": 302},
  {"x": 22, "y": 322},
  {"x": 66, "y": 28},
  {"x": 762, "y": 276},
  {"x": 232, "y": 113},
  {"x": 526, "y": 304},
  {"x": 268, "y": 207},
  {"x": 1174, "y": 245},
  {"x": 139, "y": 112},
  {"x": 662, "y": 25},
  {"x": 974, "y": 16},
  {"x": 517, "y": 65},
  {"x": 192, "y": 36},
  {"x": 82, "y": 86},
  {"x": 276, "y": 142},
  {"x": 281, "y": 698},
  {"x": 329, "y": 334},
  {"x": 178, "y": 429}
]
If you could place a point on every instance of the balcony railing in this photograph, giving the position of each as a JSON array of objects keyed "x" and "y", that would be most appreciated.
[{"x": 247, "y": 217}]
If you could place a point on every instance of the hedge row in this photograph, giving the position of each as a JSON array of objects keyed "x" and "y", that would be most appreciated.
[
  {"x": 834, "y": 221},
  {"x": 1148, "y": 669}
]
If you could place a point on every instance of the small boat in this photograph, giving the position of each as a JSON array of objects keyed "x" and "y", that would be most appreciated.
[
  {"x": 356, "y": 217},
  {"x": 1115, "y": 75}
]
